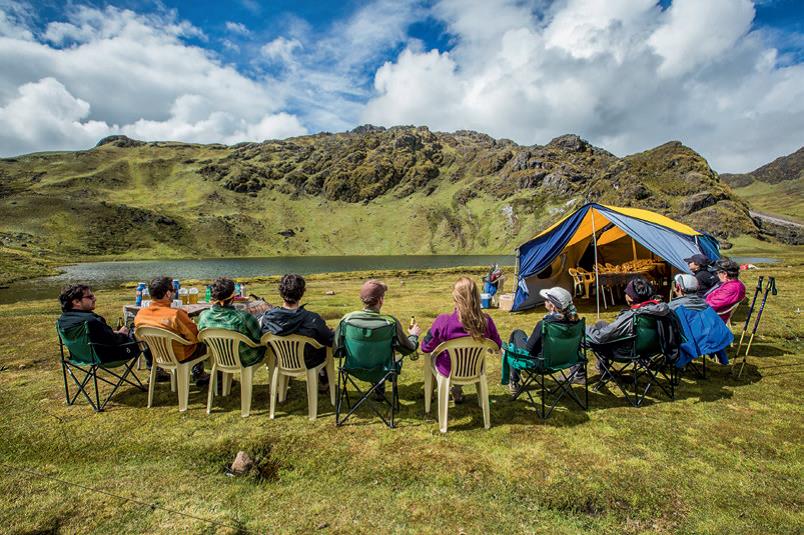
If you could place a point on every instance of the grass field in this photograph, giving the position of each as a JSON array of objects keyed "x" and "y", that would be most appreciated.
[{"x": 725, "y": 457}]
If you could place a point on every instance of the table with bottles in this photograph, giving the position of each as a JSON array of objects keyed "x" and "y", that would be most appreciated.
[{"x": 255, "y": 307}]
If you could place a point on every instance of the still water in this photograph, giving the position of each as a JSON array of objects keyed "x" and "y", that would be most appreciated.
[{"x": 103, "y": 275}]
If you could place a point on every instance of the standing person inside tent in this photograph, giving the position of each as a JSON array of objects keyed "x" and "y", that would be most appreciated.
[
  {"x": 699, "y": 265},
  {"x": 560, "y": 308},
  {"x": 729, "y": 291},
  {"x": 465, "y": 320}
]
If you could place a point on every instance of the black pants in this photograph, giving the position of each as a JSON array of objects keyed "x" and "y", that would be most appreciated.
[{"x": 520, "y": 340}]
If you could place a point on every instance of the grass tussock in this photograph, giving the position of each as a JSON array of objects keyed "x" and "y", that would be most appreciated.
[{"x": 725, "y": 457}]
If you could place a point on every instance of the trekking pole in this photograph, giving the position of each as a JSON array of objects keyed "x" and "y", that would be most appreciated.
[
  {"x": 750, "y": 313},
  {"x": 770, "y": 288}
]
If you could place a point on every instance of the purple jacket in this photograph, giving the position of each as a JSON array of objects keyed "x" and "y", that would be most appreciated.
[
  {"x": 722, "y": 297},
  {"x": 448, "y": 327}
]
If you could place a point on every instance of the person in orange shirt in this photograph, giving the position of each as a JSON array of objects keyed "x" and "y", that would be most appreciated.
[{"x": 160, "y": 314}]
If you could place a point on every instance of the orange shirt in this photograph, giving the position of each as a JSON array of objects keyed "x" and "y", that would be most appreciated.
[{"x": 173, "y": 319}]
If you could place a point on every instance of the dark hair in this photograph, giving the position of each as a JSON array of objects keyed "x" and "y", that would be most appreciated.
[
  {"x": 730, "y": 267},
  {"x": 639, "y": 289},
  {"x": 291, "y": 288},
  {"x": 70, "y": 293},
  {"x": 160, "y": 286},
  {"x": 222, "y": 289}
]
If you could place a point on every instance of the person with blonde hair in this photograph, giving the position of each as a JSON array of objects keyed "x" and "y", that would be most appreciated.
[{"x": 466, "y": 320}]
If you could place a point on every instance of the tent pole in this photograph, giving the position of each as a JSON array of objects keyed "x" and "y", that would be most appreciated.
[
  {"x": 597, "y": 277},
  {"x": 633, "y": 248}
]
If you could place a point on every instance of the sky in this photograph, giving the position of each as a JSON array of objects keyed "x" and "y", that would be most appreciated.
[{"x": 725, "y": 77}]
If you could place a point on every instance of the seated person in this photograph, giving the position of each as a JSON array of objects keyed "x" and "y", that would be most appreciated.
[
  {"x": 465, "y": 320},
  {"x": 293, "y": 318},
  {"x": 705, "y": 333},
  {"x": 77, "y": 305},
  {"x": 560, "y": 308},
  {"x": 639, "y": 296},
  {"x": 699, "y": 265},
  {"x": 160, "y": 314},
  {"x": 729, "y": 291},
  {"x": 372, "y": 294},
  {"x": 223, "y": 315}
]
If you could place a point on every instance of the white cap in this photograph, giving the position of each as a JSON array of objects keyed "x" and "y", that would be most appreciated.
[{"x": 560, "y": 297}]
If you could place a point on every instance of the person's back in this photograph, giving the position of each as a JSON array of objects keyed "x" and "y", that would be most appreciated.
[
  {"x": 160, "y": 314},
  {"x": 223, "y": 315},
  {"x": 293, "y": 318}
]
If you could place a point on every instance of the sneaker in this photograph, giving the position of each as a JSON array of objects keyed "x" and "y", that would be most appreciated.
[
  {"x": 323, "y": 386},
  {"x": 162, "y": 376},
  {"x": 513, "y": 389},
  {"x": 457, "y": 394}
]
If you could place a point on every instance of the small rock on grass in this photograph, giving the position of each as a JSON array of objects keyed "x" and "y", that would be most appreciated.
[
  {"x": 242, "y": 463},
  {"x": 329, "y": 292}
]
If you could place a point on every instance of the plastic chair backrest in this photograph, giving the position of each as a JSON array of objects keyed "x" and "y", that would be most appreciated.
[
  {"x": 76, "y": 340},
  {"x": 224, "y": 344},
  {"x": 289, "y": 350},
  {"x": 646, "y": 336},
  {"x": 467, "y": 356},
  {"x": 561, "y": 343},
  {"x": 159, "y": 341},
  {"x": 729, "y": 312}
]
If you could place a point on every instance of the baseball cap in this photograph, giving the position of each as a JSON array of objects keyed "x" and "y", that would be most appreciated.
[
  {"x": 699, "y": 259},
  {"x": 687, "y": 282},
  {"x": 560, "y": 297},
  {"x": 372, "y": 291}
]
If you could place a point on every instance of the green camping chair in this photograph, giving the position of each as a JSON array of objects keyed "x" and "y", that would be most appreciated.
[
  {"x": 645, "y": 359},
  {"x": 82, "y": 363},
  {"x": 368, "y": 356},
  {"x": 562, "y": 349}
]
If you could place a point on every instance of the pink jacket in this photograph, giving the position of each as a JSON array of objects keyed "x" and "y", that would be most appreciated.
[{"x": 725, "y": 295}]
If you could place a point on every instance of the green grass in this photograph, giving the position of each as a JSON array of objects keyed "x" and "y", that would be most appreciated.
[
  {"x": 785, "y": 199},
  {"x": 725, "y": 457}
]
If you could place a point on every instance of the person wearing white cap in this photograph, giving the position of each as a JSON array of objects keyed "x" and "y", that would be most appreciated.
[
  {"x": 685, "y": 288},
  {"x": 560, "y": 308}
]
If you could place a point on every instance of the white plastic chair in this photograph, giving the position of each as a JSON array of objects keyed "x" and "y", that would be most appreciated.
[
  {"x": 224, "y": 345},
  {"x": 160, "y": 342},
  {"x": 467, "y": 366},
  {"x": 288, "y": 352}
]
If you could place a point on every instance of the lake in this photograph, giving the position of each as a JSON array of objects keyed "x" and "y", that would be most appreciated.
[{"x": 104, "y": 275}]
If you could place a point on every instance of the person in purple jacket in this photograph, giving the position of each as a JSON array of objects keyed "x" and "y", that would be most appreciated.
[{"x": 466, "y": 320}]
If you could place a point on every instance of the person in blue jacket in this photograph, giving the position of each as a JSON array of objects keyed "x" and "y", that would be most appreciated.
[{"x": 705, "y": 332}]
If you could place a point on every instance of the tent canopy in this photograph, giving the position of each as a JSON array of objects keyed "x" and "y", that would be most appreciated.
[{"x": 621, "y": 234}]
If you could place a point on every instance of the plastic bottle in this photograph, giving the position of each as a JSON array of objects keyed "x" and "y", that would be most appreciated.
[
  {"x": 237, "y": 288},
  {"x": 138, "y": 298},
  {"x": 243, "y": 290},
  {"x": 208, "y": 295}
]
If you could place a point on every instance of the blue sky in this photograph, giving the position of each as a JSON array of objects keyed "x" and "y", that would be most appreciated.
[{"x": 723, "y": 76}]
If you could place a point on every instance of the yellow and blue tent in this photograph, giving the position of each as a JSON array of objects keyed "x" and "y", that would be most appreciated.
[{"x": 618, "y": 234}]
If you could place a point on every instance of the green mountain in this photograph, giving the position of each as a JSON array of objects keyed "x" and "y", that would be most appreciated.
[
  {"x": 776, "y": 188},
  {"x": 402, "y": 190}
]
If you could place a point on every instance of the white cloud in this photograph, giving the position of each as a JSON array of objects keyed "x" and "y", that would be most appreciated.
[
  {"x": 280, "y": 49},
  {"x": 121, "y": 71},
  {"x": 626, "y": 75},
  {"x": 237, "y": 27}
]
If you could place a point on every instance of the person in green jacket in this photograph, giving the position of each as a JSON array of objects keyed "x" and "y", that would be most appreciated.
[{"x": 223, "y": 315}]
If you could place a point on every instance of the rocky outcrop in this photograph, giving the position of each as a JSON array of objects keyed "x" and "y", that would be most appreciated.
[{"x": 124, "y": 142}]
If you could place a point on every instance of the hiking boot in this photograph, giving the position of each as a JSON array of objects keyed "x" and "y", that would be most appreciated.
[
  {"x": 513, "y": 389},
  {"x": 201, "y": 379},
  {"x": 457, "y": 394},
  {"x": 162, "y": 376}
]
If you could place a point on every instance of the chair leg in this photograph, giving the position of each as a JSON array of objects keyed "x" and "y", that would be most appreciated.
[
  {"x": 443, "y": 401},
  {"x": 183, "y": 380},
  {"x": 173, "y": 373},
  {"x": 227, "y": 383},
  {"x": 330, "y": 367},
  {"x": 213, "y": 380},
  {"x": 428, "y": 384},
  {"x": 246, "y": 380},
  {"x": 284, "y": 380},
  {"x": 274, "y": 392},
  {"x": 483, "y": 394},
  {"x": 152, "y": 383},
  {"x": 312, "y": 393}
]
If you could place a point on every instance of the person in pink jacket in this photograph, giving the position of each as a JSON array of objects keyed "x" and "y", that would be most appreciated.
[{"x": 730, "y": 290}]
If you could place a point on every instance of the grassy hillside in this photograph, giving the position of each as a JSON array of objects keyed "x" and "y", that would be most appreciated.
[
  {"x": 404, "y": 190},
  {"x": 725, "y": 457}
]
